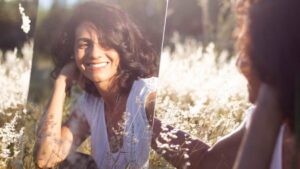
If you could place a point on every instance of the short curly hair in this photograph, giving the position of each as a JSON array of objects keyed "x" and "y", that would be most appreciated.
[
  {"x": 138, "y": 59},
  {"x": 272, "y": 43}
]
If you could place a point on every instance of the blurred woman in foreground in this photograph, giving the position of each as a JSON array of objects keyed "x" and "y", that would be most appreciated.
[{"x": 272, "y": 42}]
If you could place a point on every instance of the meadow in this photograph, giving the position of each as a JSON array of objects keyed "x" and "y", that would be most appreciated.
[{"x": 200, "y": 92}]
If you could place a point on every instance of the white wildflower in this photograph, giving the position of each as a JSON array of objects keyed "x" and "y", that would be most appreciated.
[
  {"x": 185, "y": 156},
  {"x": 25, "y": 20}
]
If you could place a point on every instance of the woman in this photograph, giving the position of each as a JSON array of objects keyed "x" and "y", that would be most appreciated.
[
  {"x": 105, "y": 53},
  {"x": 273, "y": 45}
]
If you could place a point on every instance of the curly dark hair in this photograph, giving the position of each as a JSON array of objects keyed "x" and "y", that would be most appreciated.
[
  {"x": 272, "y": 43},
  {"x": 138, "y": 59}
]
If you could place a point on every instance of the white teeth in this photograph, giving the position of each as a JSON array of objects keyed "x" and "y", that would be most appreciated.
[{"x": 98, "y": 65}]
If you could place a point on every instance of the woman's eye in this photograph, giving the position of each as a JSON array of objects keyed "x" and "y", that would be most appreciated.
[{"x": 82, "y": 45}]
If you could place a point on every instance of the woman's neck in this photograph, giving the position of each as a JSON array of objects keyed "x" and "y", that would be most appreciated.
[{"x": 109, "y": 92}]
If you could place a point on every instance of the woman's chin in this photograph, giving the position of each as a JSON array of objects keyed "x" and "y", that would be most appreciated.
[
  {"x": 251, "y": 99},
  {"x": 252, "y": 96}
]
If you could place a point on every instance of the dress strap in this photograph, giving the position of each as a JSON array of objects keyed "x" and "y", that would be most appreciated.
[{"x": 277, "y": 154}]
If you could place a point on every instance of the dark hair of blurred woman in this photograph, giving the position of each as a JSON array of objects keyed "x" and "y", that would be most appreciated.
[{"x": 271, "y": 41}]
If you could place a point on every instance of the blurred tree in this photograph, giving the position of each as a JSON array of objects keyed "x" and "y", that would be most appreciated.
[
  {"x": 219, "y": 23},
  {"x": 210, "y": 18},
  {"x": 185, "y": 17},
  {"x": 49, "y": 27}
]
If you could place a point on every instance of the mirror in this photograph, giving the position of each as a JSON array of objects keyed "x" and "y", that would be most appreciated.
[{"x": 130, "y": 47}]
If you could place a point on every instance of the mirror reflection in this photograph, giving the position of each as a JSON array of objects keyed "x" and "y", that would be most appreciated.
[{"x": 105, "y": 67}]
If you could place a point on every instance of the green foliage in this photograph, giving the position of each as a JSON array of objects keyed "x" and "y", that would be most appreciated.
[
  {"x": 186, "y": 18},
  {"x": 49, "y": 27},
  {"x": 9, "y": 12}
]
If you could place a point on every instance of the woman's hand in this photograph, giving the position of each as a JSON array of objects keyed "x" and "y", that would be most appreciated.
[{"x": 70, "y": 75}]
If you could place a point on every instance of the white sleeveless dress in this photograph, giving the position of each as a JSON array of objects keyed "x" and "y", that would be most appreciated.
[
  {"x": 276, "y": 162},
  {"x": 137, "y": 139},
  {"x": 277, "y": 154}
]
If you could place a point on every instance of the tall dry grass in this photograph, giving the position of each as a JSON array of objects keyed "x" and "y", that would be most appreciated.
[
  {"x": 14, "y": 82},
  {"x": 201, "y": 92}
]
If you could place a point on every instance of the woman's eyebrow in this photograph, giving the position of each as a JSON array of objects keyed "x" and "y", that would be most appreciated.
[{"x": 82, "y": 39}]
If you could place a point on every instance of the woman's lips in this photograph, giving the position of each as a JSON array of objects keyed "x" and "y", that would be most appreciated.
[{"x": 97, "y": 65}]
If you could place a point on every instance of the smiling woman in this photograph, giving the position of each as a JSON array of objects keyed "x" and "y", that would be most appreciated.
[
  {"x": 97, "y": 63},
  {"x": 106, "y": 54}
]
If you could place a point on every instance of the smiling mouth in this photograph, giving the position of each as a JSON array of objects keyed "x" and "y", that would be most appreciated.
[{"x": 97, "y": 65}]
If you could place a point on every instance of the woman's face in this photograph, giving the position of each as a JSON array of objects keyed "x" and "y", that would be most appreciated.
[
  {"x": 95, "y": 62},
  {"x": 253, "y": 85}
]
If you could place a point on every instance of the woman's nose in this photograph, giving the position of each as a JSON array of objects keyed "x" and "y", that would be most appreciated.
[{"x": 96, "y": 51}]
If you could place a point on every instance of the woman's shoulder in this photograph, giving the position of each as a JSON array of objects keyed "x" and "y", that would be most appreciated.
[
  {"x": 84, "y": 97},
  {"x": 87, "y": 104},
  {"x": 86, "y": 100},
  {"x": 141, "y": 88},
  {"x": 150, "y": 83}
]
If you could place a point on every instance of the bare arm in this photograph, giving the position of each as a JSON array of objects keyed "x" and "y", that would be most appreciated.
[
  {"x": 259, "y": 140},
  {"x": 223, "y": 154},
  {"x": 192, "y": 152},
  {"x": 161, "y": 137},
  {"x": 183, "y": 151},
  {"x": 176, "y": 146},
  {"x": 55, "y": 141}
]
